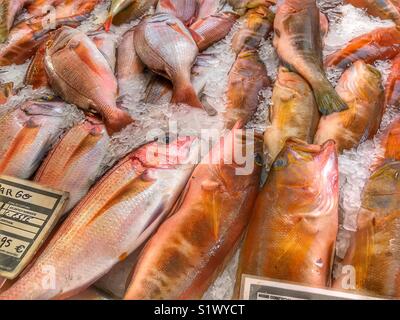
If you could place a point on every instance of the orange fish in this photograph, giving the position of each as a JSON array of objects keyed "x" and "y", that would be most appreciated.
[
  {"x": 257, "y": 26},
  {"x": 293, "y": 114},
  {"x": 27, "y": 134},
  {"x": 374, "y": 250},
  {"x": 379, "y": 44},
  {"x": 75, "y": 162},
  {"x": 392, "y": 89},
  {"x": 189, "y": 250},
  {"x": 81, "y": 75},
  {"x": 117, "y": 216},
  {"x": 361, "y": 88},
  {"x": 292, "y": 233},
  {"x": 247, "y": 78},
  {"x": 209, "y": 30}
]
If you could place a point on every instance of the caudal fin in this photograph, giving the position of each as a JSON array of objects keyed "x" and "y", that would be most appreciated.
[
  {"x": 185, "y": 93},
  {"x": 328, "y": 100},
  {"x": 117, "y": 121}
]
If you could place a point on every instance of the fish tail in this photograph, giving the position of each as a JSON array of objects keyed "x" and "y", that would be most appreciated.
[
  {"x": 117, "y": 120},
  {"x": 185, "y": 93},
  {"x": 328, "y": 100}
]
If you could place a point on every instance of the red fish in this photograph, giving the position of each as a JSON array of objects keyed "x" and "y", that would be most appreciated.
[{"x": 379, "y": 44}]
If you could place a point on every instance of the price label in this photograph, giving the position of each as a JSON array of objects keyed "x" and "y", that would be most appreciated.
[
  {"x": 28, "y": 213},
  {"x": 256, "y": 288}
]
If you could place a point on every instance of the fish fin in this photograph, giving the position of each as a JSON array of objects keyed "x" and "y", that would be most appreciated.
[
  {"x": 117, "y": 121},
  {"x": 186, "y": 94},
  {"x": 328, "y": 100},
  {"x": 108, "y": 23}
]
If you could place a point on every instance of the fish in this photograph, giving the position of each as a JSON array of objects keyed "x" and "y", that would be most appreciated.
[
  {"x": 190, "y": 248},
  {"x": 36, "y": 75},
  {"x": 208, "y": 8},
  {"x": 298, "y": 43},
  {"x": 392, "y": 87},
  {"x": 80, "y": 74},
  {"x": 361, "y": 88},
  {"x": 293, "y": 114},
  {"x": 124, "y": 11},
  {"x": 212, "y": 29},
  {"x": 374, "y": 248},
  {"x": 257, "y": 26},
  {"x": 27, "y": 134},
  {"x": 107, "y": 45},
  {"x": 184, "y": 10},
  {"x": 129, "y": 65},
  {"x": 164, "y": 45},
  {"x": 119, "y": 213},
  {"x": 74, "y": 164},
  {"x": 9, "y": 9},
  {"x": 292, "y": 233},
  {"x": 379, "y": 44},
  {"x": 246, "y": 80},
  {"x": 6, "y": 91},
  {"x": 383, "y": 9},
  {"x": 27, "y": 36}
]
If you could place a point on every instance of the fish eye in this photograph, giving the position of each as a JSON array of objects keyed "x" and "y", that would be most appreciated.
[
  {"x": 258, "y": 159},
  {"x": 280, "y": 163}
]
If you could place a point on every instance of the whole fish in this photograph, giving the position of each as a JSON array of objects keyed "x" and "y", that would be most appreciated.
[
  {"x": 298, "y": 42},
  {"x": 189, "y": 250},
  {"x": 392, "y": 88},
  {"x": 129, "y": 65},
  {"x": 107, "y": 45},
  {"x": 383, "y": 9},
  {"x": 164, "y": 44},
  {"x": 209, "y": 30},
  {"x": 246, "y": 80},
  {"x": 75, "y": 162},
  {"x": 294, "y": 113},
  {"x": 36, "y": 75},
  {"x": 361, "y": 88},
  {"x": 257, "y": 26},
  {"x": 379, "y": 44},
  {"x": 124, "y": 11},
  {"x": 374, "y": 249},
  {"x": 81, "y": 75},
  {"x": 9, "y": 9},
  {"x": 184, "y": 10},
  {"x": 209, "y": 7},
  {"x": 27, "y": 134},
  {"x": 113, "y": 220},
  {"x": 6, "y": 91},
  {"x": 293, "y": 230}
]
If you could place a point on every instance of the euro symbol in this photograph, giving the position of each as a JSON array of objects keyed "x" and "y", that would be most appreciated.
[{"x": 20, "y": 249}]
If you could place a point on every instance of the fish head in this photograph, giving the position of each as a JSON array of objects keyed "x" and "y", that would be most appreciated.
[
  {"x": 305, "y": 172},
  {"x": 237, "y": 157},
  {"x": 182, "y": 151},
  {"x": 382, "y": 192},
  {"x": 361, "y": 81},
  {"x": 62, "y": 37}
]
